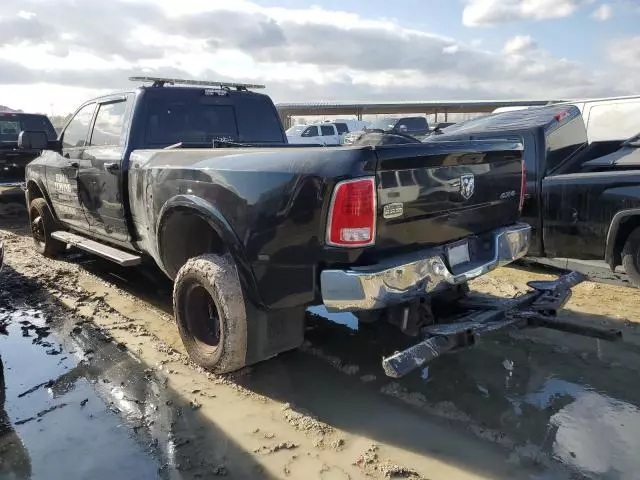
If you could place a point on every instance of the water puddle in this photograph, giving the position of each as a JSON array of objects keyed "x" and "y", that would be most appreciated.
[
  {"x": 71, "y": 408},
  {"x": 549, "y": 406}
]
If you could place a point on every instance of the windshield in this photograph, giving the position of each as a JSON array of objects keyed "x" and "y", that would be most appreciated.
[
  {"x": 383, "y": 124},
  {"x": 11, "y": 124},
  {"x": 296, "y": 130}
]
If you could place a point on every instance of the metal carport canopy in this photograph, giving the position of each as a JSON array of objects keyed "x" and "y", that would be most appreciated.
[{"x": 421, "y": 107}]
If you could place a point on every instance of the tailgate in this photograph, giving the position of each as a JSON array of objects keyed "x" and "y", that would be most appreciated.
[{"x": 430, "y": 194}]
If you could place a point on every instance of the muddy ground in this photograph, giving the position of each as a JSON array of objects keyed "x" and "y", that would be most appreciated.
[{"x": 98, "y": 386}]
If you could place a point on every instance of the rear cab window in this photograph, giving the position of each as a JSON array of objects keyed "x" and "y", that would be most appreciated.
[{"x": 174, "y": 115}]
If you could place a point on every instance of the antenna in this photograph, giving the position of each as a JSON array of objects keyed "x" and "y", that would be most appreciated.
[{"x": 161, "y": 82}]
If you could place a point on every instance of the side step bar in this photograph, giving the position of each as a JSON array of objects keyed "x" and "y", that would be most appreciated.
[{"x": 115, "y": 255}]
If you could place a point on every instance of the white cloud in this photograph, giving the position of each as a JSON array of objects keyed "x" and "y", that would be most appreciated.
[
  {"x": 491, "y": 12},
  {"x": 603, "y": 12},
  {"x": 625, "y": 52},
  {"x": 519, "y": 44},
  {"x": 62, "y": 45}
]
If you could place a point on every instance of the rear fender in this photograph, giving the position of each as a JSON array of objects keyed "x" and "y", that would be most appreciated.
[
  {"x": 617, "y": 231},
  {"x": 221, "y": 226}
]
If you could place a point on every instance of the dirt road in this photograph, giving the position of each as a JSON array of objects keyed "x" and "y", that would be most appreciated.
[{"x": 533, "y": 404}]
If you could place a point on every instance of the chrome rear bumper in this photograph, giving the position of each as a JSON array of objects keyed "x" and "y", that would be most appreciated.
[{"x": 405, "y": 278}]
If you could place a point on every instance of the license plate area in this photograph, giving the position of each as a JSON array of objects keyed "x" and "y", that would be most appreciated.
[{"x": 458, "y": 253}]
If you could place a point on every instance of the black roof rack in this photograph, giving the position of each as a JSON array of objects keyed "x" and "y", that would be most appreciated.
[{"x": 161, "y": 82}]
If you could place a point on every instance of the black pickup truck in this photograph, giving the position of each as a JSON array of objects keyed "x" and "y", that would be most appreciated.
[
  {"x": 13, "y": 160},
  {"x": 582, "y": 199},
  {"x": 199, "y": 180}
]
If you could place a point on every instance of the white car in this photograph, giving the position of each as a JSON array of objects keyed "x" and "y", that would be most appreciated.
[{"x": 317, "y": 133}]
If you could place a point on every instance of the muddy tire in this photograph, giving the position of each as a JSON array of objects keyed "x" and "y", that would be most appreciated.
[
  {"x": 42, "y": 226},
  {"x": 209, "y": 307},
  {"x": 631, "y": 257}
]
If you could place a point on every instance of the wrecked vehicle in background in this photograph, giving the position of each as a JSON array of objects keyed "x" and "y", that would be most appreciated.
[
  {"x": 199, "y": 179},
  {"x": 582, "y": 199}
]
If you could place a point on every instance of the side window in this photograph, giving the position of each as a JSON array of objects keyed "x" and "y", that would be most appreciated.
[
  {"x": 327, "y": 130},
  {"x": 342, "y": 128},
  {"x": 75, "y": 135},
  {"x": 109, "y": 124},
  {"x": 310, "y": 132}
]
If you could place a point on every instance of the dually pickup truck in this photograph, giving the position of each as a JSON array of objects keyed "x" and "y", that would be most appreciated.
[
  {"x": 199, "y": 180},
  {"x": 582, "y": 199}
]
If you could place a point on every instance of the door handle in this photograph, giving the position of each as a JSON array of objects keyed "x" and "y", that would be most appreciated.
[
  {"x": 527, "y": 196},
  {"x": 112, "y": 167}
]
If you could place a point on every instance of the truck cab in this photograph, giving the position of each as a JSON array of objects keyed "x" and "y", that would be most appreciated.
[{"x": 87, "y": 172}]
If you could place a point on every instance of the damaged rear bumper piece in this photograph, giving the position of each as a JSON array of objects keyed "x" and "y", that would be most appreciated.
[
  {"x": 537, "y": 308},
  {"x": 404, "y": 278}
]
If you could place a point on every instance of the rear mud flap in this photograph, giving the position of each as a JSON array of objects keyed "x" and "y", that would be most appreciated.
[
  {"x": 272, "y": 332},
  {"x": 537, "y": 308}
]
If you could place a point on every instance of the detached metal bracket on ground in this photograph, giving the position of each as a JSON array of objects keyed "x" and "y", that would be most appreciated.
[{"x": 537, "y": 308}]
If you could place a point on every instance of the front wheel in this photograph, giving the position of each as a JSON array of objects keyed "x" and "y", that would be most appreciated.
[
  {"x": 209, "y": 307},
  {"x": 42, "y": 226},
  {"x": 631, "y": 257}
]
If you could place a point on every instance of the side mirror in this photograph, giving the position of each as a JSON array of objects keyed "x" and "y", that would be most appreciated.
[
  {"x": 403, "y": 129},
  {"x": 33, "y": 140}
]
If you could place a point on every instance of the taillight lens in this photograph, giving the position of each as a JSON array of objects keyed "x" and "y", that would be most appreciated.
[
  {"x": 523, "y": 185},
  {"x": 352, "y": 215}
]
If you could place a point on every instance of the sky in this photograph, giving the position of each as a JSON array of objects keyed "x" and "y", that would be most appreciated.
[{"x": 55, "y": 54}]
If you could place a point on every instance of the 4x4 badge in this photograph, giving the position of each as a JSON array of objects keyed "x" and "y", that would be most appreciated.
[
  {"x": 393, "y": 210},
  {"x": 467, "y": 185}
]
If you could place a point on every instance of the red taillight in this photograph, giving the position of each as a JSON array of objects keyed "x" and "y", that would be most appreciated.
[
  {"x": 352, "y": 215},
  {"x": 523, "y": 185}
]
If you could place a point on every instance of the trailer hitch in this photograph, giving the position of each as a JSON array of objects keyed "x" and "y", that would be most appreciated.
[{"x": 536, "y": 308}]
